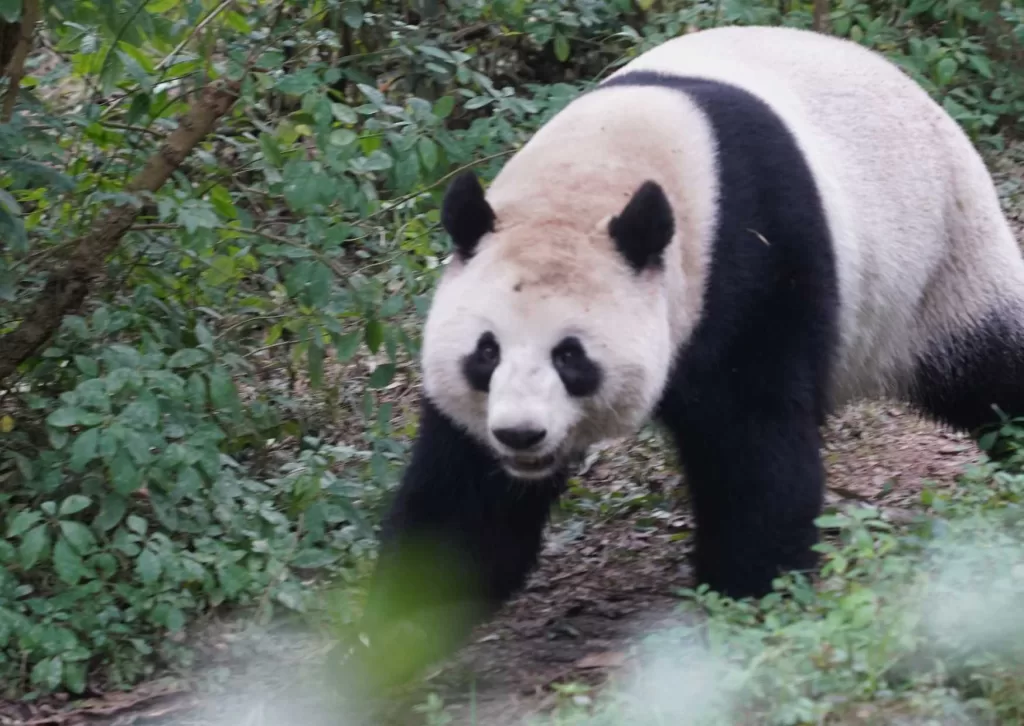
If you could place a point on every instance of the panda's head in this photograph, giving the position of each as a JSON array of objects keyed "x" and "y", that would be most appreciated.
[{"x": 548, "y": 333}]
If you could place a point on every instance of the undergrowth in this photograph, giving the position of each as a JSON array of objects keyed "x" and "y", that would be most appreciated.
[{"x": 911, "y": 623}]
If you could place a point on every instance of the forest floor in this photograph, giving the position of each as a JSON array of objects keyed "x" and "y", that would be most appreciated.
[
  {"x": 608, "y": 576},
  {"x": 614, "y": 559}
]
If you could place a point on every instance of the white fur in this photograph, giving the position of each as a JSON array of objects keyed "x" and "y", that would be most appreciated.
[{"x": 921, "y": 243}]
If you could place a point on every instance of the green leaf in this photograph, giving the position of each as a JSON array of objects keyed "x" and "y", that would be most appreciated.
[
  {"x": 374, "y": 333},
  {"x": 148, "y": 566},
  {"x": 21, "y": 523},
  {"x": 381, "y": 376},
  {"x": 352, "y": 14},
  {"x": 392, "y": 306},
  {"x": 343, "y": 137},
  {"x": 319, "y": 287},
  {"x": 561, "y": 48},
  {"x": 143, "y": 413},
  {"x": 478, "y": 102},
  {"x": 988, "y": 440},
  {"x": 981, "y": 64},
  {"x": 347, "y": 345},
  {"x": 110, "y": 441},
  {"x": 123, "y": 473},
  {"x": 34, "y": 546},
  {"x": 165, "y": 511},
  {"x": 48, "y": 672},
  {"x": 946, "y": 69},
  {"x": 67, "y": 563},
  {"x": 316, "y": 364},
  {"x": 87, "y": 365},
  {"x": 74, "y": 677},
  {"x": 78, "y": 535},
  {"x": 84, "y": 450},
  {"x": 233, "y": 579},
  {"x": 161, "y": 6},
  {"x": 314, "y": 559},
  {"x": 73, "y": 505},
  {"x": 428, "y": 153},
  {"x": 444, "y": 106},
  {"x": 271, "y": 151},
  {"x": 10, "y": 10},
  {"x": 138, "y": 525},
  {"x": 187, "y": 358},
  {"x": 344, "y": 114},
  {"x": 223, "y": 394},
  {"x": 237, "y": 22},
  {"x": 65, "y": 417},
  {"x": 139, "y": 108},
  {"x": 112, "y": 510},
  {"x": 831, "y": 521},
  {"x": 174, "y": 619}
]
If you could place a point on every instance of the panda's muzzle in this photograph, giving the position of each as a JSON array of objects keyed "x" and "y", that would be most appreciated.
[
  {"x": 536, "y": 465},
  {"x": 520, "y": 439}
]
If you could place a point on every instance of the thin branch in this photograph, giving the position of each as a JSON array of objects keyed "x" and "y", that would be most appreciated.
[
  {"x": 68, "y": 286},
  {"x": 454, "y": 172},
  {"x": 195, "y": 31},
  {"x": 15, "y": 70}
]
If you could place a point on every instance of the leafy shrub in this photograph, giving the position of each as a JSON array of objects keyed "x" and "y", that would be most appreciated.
[{"x": 909, "y": 623}]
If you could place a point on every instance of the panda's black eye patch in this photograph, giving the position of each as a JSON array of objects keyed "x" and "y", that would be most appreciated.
[
  {"x": 478, "y": 366},
  {"x": 580, "y": 375}
]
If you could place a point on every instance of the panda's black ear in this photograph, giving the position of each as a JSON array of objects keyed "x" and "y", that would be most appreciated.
[
  {"x": 465, "y": 213},
  {"x": 644, "y": 228}
]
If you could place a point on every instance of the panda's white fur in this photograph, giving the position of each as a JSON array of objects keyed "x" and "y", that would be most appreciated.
[
  {"x": 921, "y": 246},
  {"x": 741, "y": 229}
]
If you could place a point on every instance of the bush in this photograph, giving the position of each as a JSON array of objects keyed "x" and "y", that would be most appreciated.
[{"x": 910, "y": 622}]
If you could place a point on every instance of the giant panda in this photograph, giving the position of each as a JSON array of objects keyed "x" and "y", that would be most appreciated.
[{"x": 736, "y": 233}]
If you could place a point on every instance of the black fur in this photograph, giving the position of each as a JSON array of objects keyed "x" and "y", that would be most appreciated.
[
  {"x": 580, "y": 375},
  {"x": 460, "y": 538},
  {"x": 643, "y": 229},
  {"x": 479, "y": 366},
  {"x": 465, "y": 213},
  {"x": 964, "y": 376},
  {"x": 744, "y": 401},
  {"x": 750, "y": 389}
]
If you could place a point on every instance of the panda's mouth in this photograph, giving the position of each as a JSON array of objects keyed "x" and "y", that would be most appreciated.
[{"x": 531, "y": 467}]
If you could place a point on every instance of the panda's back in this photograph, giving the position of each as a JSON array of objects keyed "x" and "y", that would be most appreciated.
[{"x": 908, "y": 200}]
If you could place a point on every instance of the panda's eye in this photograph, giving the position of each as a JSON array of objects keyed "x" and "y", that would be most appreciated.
[
  {"x": 479, "y": 365},
  {"x": 580, "y": 375},
  {"x": 567, "y": 354},
  {"x": 487, "y": 349}
]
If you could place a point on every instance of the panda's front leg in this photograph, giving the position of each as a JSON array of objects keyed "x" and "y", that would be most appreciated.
[
  {"x": 460, "y": 539},
  {"x": 756, "y": 482}
]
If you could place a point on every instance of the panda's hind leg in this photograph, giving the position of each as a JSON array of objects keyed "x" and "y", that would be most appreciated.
[{"x": 960, "y": 379}]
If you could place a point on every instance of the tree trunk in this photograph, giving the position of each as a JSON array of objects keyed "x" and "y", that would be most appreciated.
[
  {"x": 14, "y": 57},
  {"x": 67, "y": 286},
  {"x": 820, "y": 18}
]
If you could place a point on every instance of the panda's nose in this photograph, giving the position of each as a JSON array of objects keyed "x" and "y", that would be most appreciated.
[{"x": 519, "y": 439}]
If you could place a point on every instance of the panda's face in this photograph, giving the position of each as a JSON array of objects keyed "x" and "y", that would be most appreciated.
[{"x": 540, "y": 350}]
